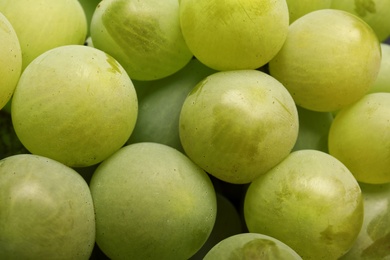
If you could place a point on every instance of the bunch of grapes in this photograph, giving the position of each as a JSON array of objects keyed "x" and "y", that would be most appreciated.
[{"x": 194, "y": 129}]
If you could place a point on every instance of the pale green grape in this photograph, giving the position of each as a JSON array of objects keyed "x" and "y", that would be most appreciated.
[
  {"x": 10, "y": 60},
  {"x": 359, "y": 137},
  {"x": 152, "y": 202},
  {"x": 160, "y": 105},
  {"x": 74, "y": 104},
  {"x": 374, "y": 12},
  {"x": 45, "y": 24},
  {"x": 310, "y": 201},
  {"x": 313, "y": 130},
  {"x": 238, "y": 124},
  {"x": 251, "y": 246},
  {"x": 382, "y": 82},
  {"x": 144, "y": 36},
  {"x": 230, "y": 34},
  {"x": 46, "y": 210},
  {"x": 330, "y": 59},
  {"x": 300, "y": 8},
  {"x": 374, "y": 237}
]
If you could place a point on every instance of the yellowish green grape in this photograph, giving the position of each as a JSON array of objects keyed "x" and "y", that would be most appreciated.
[
  {"x": 360, "y": 138},
  {"x": 45, "y": 24},
  {"x": 144, "y": 36},
  {"x": 330, "y": 59},
  {"x": 152, "y": 202},
  {"x": 10, "y": 60},
  {"x": 230, "y": 34},
  {"x": 74, "y": 104}
]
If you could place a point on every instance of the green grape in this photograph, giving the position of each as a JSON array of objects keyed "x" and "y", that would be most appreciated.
[
  {"x": 159, "y": 107},
  {"x": 313, "y": 130},
  {"x": 144, "y": 36},
  {"x": 374, "y": 237},
  {"x": 45, "y": 24},
  {"x": 227, "y": 223},
  {"x": 74, "y": 104},
  {"x": 46, "y": 210},
  {"x": 329, "y": 60},
  {"x": 300, "y": 8},
  {"x": 374, "y": 12},
  {"x": 310, "y": 201},
  {"x": 359, "y": 137},
  {"x": 152, "y": 202},
  {"x": 251, "y": 246},
  {"x": 10, "y": 60},
  {"x": 382, "y": 82},
  {"x": 231, "y": 35},
  {"x": 238, "y": 124}
]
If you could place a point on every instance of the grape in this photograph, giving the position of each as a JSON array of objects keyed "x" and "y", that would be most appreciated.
[
  {"x": 313, "y": 130},
  {"x": 382, "y": 82},
  {"x": 152, "y": 202},
  {"x": 74, "y": 104},
  {"x": 374, "y": 238},
  {"x": 310, "y": 201},
  {"x": 374, "y": 12},
  {"x": 144, "y": 36},
  {"x": 231, "y": 35},
  {"x": 300, "y": 8},
  {"x": 46, "y": 210},
  {"x": 45, "y": 24},
  {"x": 237, "y": 125},
  {"x": 251, "y": 246},
  {"x": 10, "y": 60},
  {"x": 359, "y": 137},
  {"x": 160, "y": 105},
  {"x": 329, "y": 60}
]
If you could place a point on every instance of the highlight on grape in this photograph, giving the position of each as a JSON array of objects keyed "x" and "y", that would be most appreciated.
[{"x": 194, "y": 129}]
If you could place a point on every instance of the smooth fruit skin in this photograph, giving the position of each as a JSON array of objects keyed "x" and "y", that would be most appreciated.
[
  {"x": 10, "y": 60},
  {"x": 152, "y": 202},
  {"x": 251, "y": 246},
  {"x": 374, "y": 12},
  {"x": 374, "y": 237},
  {"x": 46, "y": 210},
  {"x": 238, "y": 124},
  {"x": 360, "y": 138},
  {"x": 382, "y": 82},
  {"x": 230, "y": 34},
  {"x": 45, "y": 24},
  {"x": 74, "y": 104},
  {"x": 144, "y": 36},
  {"x": 329, "y": 60},
  {"x": 310, "y": 201}
]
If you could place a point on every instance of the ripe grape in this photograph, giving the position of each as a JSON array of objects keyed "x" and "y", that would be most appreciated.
[
  {"x": 230, "y": 34},
  {"x": 10, "y": 60},
  {"x": 359, "y": 137},
  {"x": 45, "y": 24},
  {"x": 46, "y": 210},
  {"x": 310, "y": 201},
  {"x": 144, "y": 36},
  {"x": 251, "y": 246},
  {"x": 74, "y": 104},
  {"x": 238, "y": 124},
  {"x": 329, "y": 60},
  {"x": 152, "y": 202}
]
